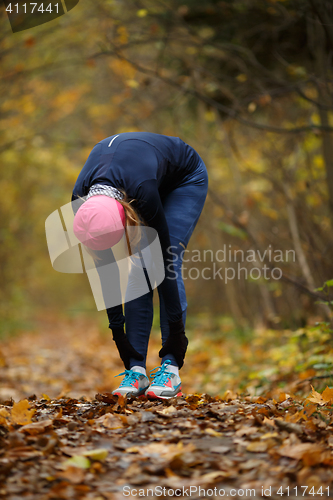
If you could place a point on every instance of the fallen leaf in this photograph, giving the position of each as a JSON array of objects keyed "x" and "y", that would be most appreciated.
[
  {"x": 122, "y": 401},
  {"x": 23, "y": 453},
  {"x": 321, "y": 399},
  {"x": 309, "y": 452},
  {"x": 213, "y": 432},
  {"x": 71, "y": 450},
  {"x": 288, "y": 426},
  {"x": 76, "y": 461},
  {"x": 268, "y": 421},
  {"x": 110, "y": 421},
  {"x": 246, "y": 430},
  {"x": 168, "y": 411},
  {"x": 193, "y": 398},
  {"x": 21, "y": 414},
  {"x": 37, "y": 427},
  {"x": 220, "y": 449},
  {"x": 257, "y": 446},
  {"x": 4, "y": 416},
  {"x": 133, "y": 449},
  {"x": 253, "y": 463},
  {"x": 73, "y": 473},
  {"x": 269, "y": 435},
  {"x": 327, "y": 395},
  {"x": 166, "y": 450},
  {"x": 307, "y": 411},
  {"x": 97, "y": 454},
  {"x": 229, "y": 395},
  {"x": 212, "y": 477}
]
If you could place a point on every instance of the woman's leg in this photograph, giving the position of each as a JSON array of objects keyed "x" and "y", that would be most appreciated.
[
  {"x": 139, "y": 311},
  {"x": 138, "y": 316},
  {"x": 178, "y": 251},
  {"x": 182, "y": 207}
]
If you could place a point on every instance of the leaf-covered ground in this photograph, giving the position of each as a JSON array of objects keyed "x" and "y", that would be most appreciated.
[{"x": 63, "y": 435}]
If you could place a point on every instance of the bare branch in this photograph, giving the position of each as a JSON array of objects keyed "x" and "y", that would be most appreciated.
[
  {"x": 232, "y": 113},
  {"x": 313, "y": 101}
]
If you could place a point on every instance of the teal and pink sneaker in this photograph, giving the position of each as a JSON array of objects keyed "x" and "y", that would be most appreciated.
[
  {"x": 165, "y": 384},
  {"x": 133, "y": 384}
]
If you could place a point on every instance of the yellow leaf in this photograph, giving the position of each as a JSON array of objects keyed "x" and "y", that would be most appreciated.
[
  {"x": 132, "y": 83},
  {"x": 212, "y": 432},
  {"x": 142, "y": 13},
  {"x": 122, "y": 37},
  {"x": 97, "y": 454},
  {"x": 241, "y": 77},
  {"x": 4, "y": 416},
  {"x": 327, "y": 395},
  {"x": 257, "y": 446},
  {"x": 76, "y": 461},
  {"x": 123, "y": 69},
  {"x": 209, "y": 116},
  {"x": 317, "y": 397},
  {"x": 21, "y": 414},
  {"x": 269, "y": 435}
]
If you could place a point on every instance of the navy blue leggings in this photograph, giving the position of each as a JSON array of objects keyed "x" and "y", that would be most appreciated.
[{"x": 182, "y": 209}]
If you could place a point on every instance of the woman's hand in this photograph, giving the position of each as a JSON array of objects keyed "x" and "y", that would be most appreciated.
[
  {"x": 176, "y": 343},
  {"x": 125, "y": 348}
]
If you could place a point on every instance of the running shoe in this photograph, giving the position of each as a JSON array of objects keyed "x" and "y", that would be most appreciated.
[
  {"x": 165, "y": 384},
  {"x": 133, "y": 384}
]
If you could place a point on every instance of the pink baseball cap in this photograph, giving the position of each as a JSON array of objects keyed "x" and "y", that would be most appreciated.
[{"x": 99, "y": 223}]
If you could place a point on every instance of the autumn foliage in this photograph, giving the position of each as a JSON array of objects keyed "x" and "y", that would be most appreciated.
[
  {"x": 248, "y": 83},
  {"x": 243, "y": 82}
]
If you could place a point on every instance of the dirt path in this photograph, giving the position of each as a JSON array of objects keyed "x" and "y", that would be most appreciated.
[{"x": 80, "y": 442}]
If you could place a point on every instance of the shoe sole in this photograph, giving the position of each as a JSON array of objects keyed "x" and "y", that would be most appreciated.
[
  {"x": 140, "y": 394},
  {"x": 152, "y": 395}
]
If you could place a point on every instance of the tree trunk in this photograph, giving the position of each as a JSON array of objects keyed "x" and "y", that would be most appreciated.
[{"x": 320, "y": 43}]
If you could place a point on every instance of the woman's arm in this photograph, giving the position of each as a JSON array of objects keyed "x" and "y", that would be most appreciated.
[{"x": 115, "y": 313}]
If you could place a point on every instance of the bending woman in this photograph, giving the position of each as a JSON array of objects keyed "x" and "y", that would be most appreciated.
[{"x": 134, "y": 178}]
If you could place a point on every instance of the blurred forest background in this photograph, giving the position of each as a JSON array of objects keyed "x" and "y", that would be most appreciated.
[{"x": 247, "y": 83}]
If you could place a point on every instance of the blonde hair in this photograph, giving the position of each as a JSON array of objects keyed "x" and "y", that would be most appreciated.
[{"x": 131, "y": 219}]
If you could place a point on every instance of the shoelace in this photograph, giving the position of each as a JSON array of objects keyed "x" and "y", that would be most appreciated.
[
  {"x": 161, "y": 376},
  {"x": 130, "y": 377}
]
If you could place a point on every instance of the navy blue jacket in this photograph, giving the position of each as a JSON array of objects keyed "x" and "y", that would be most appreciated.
[{"x": 147, "y": 167}]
